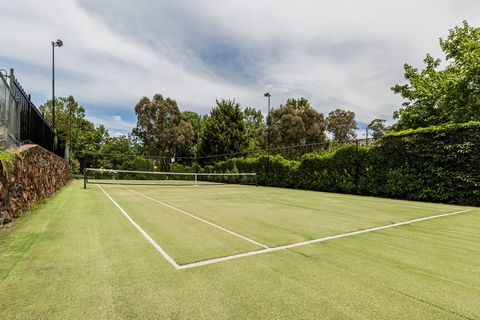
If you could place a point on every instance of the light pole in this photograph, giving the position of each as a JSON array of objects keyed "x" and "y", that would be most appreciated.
[
  {"x": 57, "y": 43},
  {"x": 268, "y": 95}
]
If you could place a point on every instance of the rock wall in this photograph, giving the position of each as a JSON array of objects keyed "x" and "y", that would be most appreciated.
[{"x": 36, "y": 174}]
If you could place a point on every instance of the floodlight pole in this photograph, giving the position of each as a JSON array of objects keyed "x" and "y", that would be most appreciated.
[
  {"x": 197, "y": 150},
  {"x": 268, "y": 95},
  {"x": 57, "y": 43},
  {"x": 53, "y": 85}
]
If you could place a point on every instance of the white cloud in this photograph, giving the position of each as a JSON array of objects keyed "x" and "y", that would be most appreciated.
[
  {"x": 116, "y": 124},
  {"x": 335, "y": 53}
]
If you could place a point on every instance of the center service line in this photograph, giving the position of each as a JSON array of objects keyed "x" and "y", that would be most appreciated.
[
  {"x": 149, "y": 239},
  {"x": 200, "y": 219}
]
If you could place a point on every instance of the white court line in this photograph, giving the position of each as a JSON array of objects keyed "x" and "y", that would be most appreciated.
[
  {"x": 149, "y": 239},
  {"x": 198, "y": 218},
  {"x": 266, "y": 250},
  {"x": 304, "y": 243}
]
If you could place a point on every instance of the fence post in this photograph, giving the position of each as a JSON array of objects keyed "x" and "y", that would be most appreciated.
[{"x": 84, "y": 178}]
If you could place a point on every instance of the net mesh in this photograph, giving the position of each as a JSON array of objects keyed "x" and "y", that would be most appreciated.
[{"x": 153, "y": 178}]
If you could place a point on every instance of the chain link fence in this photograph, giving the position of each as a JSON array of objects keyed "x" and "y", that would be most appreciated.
[{"x": 9, "y": 115}]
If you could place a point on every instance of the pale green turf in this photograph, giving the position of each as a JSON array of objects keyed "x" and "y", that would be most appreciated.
[
  {"x": 272, "y": 216},
  {"x": 184, "y": 238},
  {"x": 79, "y": 258}
]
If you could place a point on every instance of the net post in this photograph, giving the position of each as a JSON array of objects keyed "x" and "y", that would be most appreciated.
[
  {"x": 256, "y": 179},
  {"x": 84, "y": 178},
  {"x": 196, "y": 179}
]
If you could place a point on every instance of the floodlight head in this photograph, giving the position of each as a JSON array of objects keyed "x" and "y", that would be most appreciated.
[
  {"x": 57, "y": 43},
  {"x": 267, "y": 94}
]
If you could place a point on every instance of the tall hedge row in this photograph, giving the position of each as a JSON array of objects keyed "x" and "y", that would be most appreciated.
[{"x": 439, "y": 164}]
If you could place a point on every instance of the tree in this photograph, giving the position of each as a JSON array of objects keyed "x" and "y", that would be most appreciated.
[
  {"x": 295, "y": 123},
  {"x": 342, "y": 125},
  {"x": 68, "y": 116},
  {"x": 224, "y": 131},
  {"x": 161, "y": 130},
  {"x": 88, "y": 142},
  {"x": 83, "y": 138},
  {"x": 298, "y": 104},
  {"x": 116, "y": 151},
  {"x": 378, "y": 127},
  {"x": 434, "y": 96},
  {"x": 255, "y": 128},
  {"x": 196, "y": 121}
]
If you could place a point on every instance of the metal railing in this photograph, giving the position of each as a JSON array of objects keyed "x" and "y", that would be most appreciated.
[
  {"x": 26, "y": 123},
  {"x": 34, "y": 127}
]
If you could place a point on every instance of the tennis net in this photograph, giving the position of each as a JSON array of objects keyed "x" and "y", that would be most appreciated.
[{"x": 154, "y": 178}]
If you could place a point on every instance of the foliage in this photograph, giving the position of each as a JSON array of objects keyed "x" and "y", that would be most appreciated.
[
  {"x": 438, "y": 164},
  {"x": 88, "y": 142},
  {"x": 7, "y": 160},
  {"x": 334, "y": 171},
  {"x": 434, "y": 96},
  {"x": 161, "y": 130},
  {"x": 137, "y": 163},
  {"x": 255, "y": 128},
  {"x": 378, "y": 127},
  {"x": 295, "y": 123},
  {"x": 83, "y": 138},
  {"x": 342, "y": 125},
  {"x": 432, "y": 164},
  {"x": 224, "y": 131}
]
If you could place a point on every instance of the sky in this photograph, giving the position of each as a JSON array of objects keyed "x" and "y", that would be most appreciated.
[{"x": 337, "y": 54}]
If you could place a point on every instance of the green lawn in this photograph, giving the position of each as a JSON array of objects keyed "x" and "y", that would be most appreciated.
[{"x": 78, "y": 257}]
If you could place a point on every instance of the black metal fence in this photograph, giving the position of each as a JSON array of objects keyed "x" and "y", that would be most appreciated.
[{"x": 34, "y": 128}]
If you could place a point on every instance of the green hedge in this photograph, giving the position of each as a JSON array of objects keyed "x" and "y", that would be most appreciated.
[{"x": 440, "y": 164}]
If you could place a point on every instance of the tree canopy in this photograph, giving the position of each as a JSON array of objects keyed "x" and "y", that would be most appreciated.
[
  {"x": 378, "y": 128},
  {"x": 161, "y": 130},
  {"x": 436, "y": 95},
  {"x": 296, "y": 122},
  {"x": 224, "y": 130},
  {"x": 83, "y": 138},
  {"x": 342, "y": 125}
]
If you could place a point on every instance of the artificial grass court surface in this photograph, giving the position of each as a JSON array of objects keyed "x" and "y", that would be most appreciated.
[{"x": 79, "y": 258}]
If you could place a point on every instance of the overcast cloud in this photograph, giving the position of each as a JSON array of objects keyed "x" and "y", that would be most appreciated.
[{"x": 335, "y": 53}]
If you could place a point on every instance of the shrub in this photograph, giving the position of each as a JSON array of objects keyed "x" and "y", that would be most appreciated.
[{"x": 440, "y": 163}]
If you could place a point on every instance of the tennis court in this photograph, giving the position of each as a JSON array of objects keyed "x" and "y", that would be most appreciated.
[
  {"x": 194, "y": 225},
  {"x": 79, "y": 257}
]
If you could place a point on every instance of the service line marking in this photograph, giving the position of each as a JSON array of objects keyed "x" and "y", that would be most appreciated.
[
  {"x": 305, "y": 243},
  {"x": 149, "y": 239},
  {"x": 198, "y": 218}
]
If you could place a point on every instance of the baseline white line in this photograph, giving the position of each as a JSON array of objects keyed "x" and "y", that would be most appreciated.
[
  {"x": 304, "y": 243},
  {"x": 149, "y": 239},
  {"x": 198, "y": 218}
]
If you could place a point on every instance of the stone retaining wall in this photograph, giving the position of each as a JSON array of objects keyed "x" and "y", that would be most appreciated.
[{"x": 37, "y": 174}]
